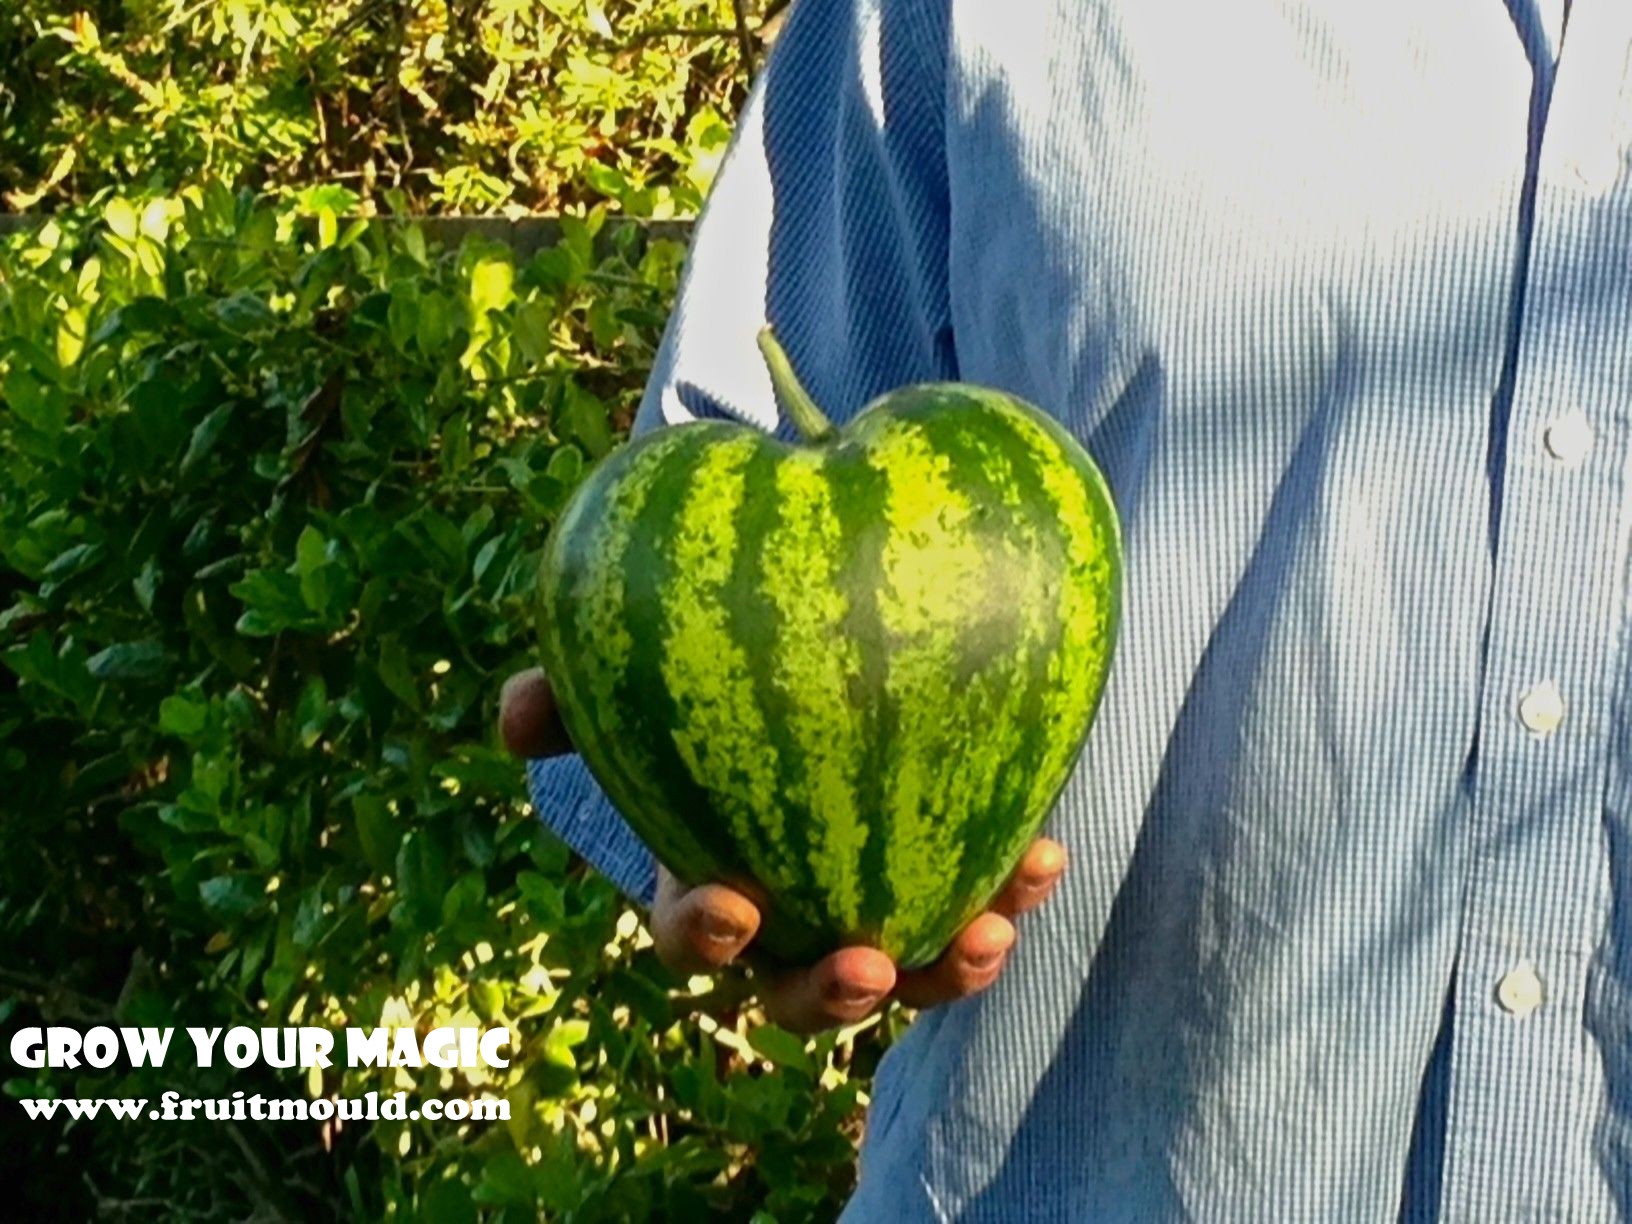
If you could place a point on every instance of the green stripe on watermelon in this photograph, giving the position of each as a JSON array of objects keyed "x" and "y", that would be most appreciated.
[
  {"x": 997, "y": 471},
  {"x": 812, "y": 665},
  {"x": 858, "y": 495},
  {"x": 933, "y": 580},
  {"x": 598, "y": 625},
  {"x": 694, "y": 679},
  {"x": 754, "y": 625}
]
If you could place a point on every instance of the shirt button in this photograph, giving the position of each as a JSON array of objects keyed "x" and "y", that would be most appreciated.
[
  {"x": 1541, "y": 709},
  {"x": 1568, "y": 437},
  {"x": 1520, "y": 991}
]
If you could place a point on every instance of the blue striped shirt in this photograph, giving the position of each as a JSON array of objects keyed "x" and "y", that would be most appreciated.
[{"x": 1340, "y": 296}]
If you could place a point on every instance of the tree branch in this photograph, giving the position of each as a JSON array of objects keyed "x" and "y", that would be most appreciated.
[{"x": 745, "y": 38}]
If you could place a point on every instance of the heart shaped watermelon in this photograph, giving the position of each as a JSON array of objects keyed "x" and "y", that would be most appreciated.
[{"x": 850, "y": 674}]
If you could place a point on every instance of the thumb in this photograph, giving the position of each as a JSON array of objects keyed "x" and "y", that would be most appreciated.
[{"x": 529, "y": 718}]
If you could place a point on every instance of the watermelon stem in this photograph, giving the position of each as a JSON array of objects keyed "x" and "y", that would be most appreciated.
[{"x": 791, "y": 396}]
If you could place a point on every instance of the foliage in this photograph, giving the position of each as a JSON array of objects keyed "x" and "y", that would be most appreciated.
[
  {"x": 272, "y": 494},
  {"x": 463, "y": 105}
]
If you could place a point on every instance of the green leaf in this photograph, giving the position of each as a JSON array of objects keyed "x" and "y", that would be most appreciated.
[
  {"x": 63, "y": 672},
  {"x": 506, "y": 1182},
  {"x": 781, "y": 1048},
  {"x": 129, "y": 660},
  {"x": 121, "y": 218},
  {"x": 150, "y": 257},
  {"x": 584, "y": 419},
  {"x": 158, "y": 415},
  {"x": 557, "y": 270},
  {"x": 204, "y": 437},
  {"x": 312, "y": 711},
  {"x": 72, "y": 561},
  {"x": 273, "y": 602},
  {"x": 140, "y": 316},
  {"x": 396, "y": 673},
  {"x": 230, "y": 896},
  {"x": 464, "y": 898},
  {"x": 327, "y": 196},
  {"x": 378, "y": 831},
  {"x": 421, "y": 877},
  {"x": 244, "y": 312},
  {"x": 41, "y": 406},
  {"x": 316, "y": 277},
  {"x": 412, "y": 237},
  {"x": 146, "y": 584},
  {"x": 560, "y": 1183},
  {"x": 485, "y": 556},
  {"x": 402, "y": 317},
  {"x": 70, "y": 337},
  {"x": 155, "y": 222},
  {"x": 565, "y": 468},
  {"x": 543, "y": 897},
  {"x": 311, "y": 561},
  {"x": 606, "y": 180},
  {"x": 447, "y": 1201},
  {"x": 534, "y": 320},
  {"x": 491, "y": 284},
  {"x": 597, "y": 19},
  {"x": 437, "y": 539},
  {"x": 578, "y": 236},
  {"x": 182, "y": 716},
  {"x": 434, "y": 322},
  {"x": 566, "y": 1036},
  {"x": 309, "y": 918}
]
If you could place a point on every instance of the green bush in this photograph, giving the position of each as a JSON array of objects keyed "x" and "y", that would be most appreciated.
[
  {"x": 272, "y": 492},
  {"x": 463, "y": 105}
]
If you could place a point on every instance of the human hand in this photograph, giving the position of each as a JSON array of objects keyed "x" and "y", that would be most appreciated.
[{"x": 706, "y": 928}]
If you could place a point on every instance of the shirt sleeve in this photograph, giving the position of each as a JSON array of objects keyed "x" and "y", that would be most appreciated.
[{"x": 829, "y": 220}]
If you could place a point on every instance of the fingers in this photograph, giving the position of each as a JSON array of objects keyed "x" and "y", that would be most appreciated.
[
  {"x": 703, "y": 929},
  {"x": 1034, "y": 878},
  {"x": 970, "y": 965},
  {"x": 699, "y": 930},
  {"x": 979, "y": 952},
  {"x": 529, "y": 720},
  {"x": 840, "y": 989}
]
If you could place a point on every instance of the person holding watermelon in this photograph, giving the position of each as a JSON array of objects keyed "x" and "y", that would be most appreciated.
[
  {"x": 706, "y": 928},
  {"x": 1339, "y": 297}
]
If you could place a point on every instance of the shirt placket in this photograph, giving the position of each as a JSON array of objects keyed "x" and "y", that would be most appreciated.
[{"x": 1518, "y": 1139}]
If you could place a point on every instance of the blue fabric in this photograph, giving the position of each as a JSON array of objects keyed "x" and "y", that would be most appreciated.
[{"x": 1340, "y": 296}]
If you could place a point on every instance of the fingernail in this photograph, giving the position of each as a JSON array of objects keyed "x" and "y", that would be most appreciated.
[
  {"x": 986, "y": 960},
  {"x": 1037, "y": 888},
  {"x": 1045, "y": 876},
  {"x": 846, "y": 994},
  {"x": 717, "y": 928}
]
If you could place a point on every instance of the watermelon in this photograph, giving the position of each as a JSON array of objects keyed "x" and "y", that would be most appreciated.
[{"x": 850, "y": 674}]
